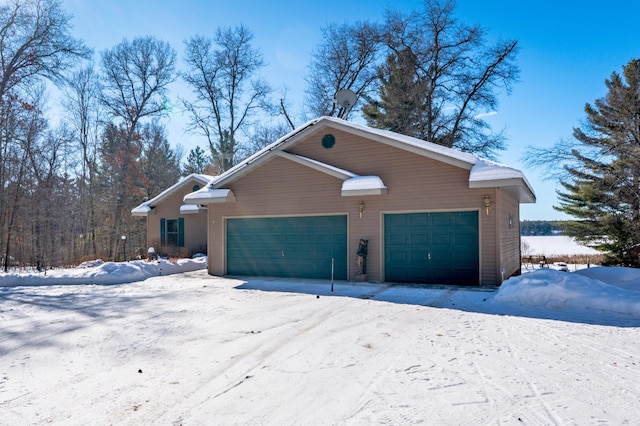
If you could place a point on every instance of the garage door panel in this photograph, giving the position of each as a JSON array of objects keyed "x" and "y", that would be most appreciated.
[
  {"x": 440, "y": 220},
  {"x": 439, "y": 248},
  {"x": 399, "y": 239},
  {"x": 441, "y": 238},
  {"x": 398, "y": 255},
  {"x": 300, "y": 247},
  {"x": 465, "y": 239},
  {"x": 419, "y": 255},
  {"x": 442, "y": 256}
]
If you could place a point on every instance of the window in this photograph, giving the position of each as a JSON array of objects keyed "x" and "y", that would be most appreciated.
[{"x": 172, "y": 232}]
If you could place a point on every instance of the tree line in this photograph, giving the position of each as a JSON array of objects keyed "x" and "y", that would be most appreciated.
[
  {"x": 542, "y": 227},
  {"x": 67, "y": 188}
]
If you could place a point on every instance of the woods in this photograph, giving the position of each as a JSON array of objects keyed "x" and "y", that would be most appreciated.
[{"x": 68, "y": 185}]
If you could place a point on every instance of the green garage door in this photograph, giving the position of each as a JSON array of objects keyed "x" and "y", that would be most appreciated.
[
  {"x": 432, "y": 248},
  {"x": 296, "y": 247}
]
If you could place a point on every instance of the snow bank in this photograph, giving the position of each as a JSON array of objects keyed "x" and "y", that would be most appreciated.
[
  {"x": 626, "y": 278},
  {"x": 104, "y": 273},
  {"x": 551, "y": 289}
]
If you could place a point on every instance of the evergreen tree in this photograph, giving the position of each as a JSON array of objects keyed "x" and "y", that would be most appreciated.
[
  {"x": 603, "y": 188},
  {"x": 197, "y": 162},
  {"x": 399, "y": 108},
  {"x": 159, "y": 163},
  {"x": 439, "y": 79}
]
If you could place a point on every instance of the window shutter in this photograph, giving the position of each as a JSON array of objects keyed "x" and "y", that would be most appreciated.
[
  {"x": 163, "y": 231},
  {"x": 181, "y": 232}
]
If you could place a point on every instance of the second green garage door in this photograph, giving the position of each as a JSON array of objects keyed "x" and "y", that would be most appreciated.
[
  {"x": 293, "y": 247},
  {"x": 432, "y": 248}
]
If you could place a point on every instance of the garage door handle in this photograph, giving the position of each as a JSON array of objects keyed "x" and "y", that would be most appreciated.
[
  {"x": 429, "y": 256},
  {"x": 282, "y": 253}
]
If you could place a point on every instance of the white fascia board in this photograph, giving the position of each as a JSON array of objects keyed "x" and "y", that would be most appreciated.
[
  {"x": 208, "y": 195},
  {"x": 194, "y": 177},
  {"x": 517, "y": 186},
  {"x": 142, "y": 210},
  {"x": 363, "y": 192},
  {"x": 414, "y": 145},
  {"x": 191, "y": 209},
  {"x": 317, "y": 165},
  {"x": 261, "y": 156},
  {"x": 362, "y": 186}
]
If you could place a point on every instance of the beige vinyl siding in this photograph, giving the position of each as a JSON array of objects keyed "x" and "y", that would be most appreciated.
[
  {"x": 195, "y": 225},
  {"x": 415, "y": 184},
  {"x": 509, "y": 237}
]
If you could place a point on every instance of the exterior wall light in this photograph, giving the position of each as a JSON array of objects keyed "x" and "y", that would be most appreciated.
[
  {"x": 361, "y": 208},
  {"x": 124, "y": 247},
  {"x": 487, "y": 203}
]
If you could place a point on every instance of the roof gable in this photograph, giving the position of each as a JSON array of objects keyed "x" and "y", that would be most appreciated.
[
  {"x": 482, "y": 173},
  {"x": 147, "y": 207}
]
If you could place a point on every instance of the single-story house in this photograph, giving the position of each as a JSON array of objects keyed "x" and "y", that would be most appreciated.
[
  {"x": 334, "y": 199},
  {"x": 171, "y": 224}
]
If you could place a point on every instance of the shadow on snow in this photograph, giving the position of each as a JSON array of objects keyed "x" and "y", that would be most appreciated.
[{"x": 467, "y": 299}]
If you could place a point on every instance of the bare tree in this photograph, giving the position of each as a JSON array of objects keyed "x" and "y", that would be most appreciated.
[
  {"x": 81, "y": 102},
  {"x": 35, "y": 42},
  {"x": 23, "y": 127},
  {"x": 444, "y": 76},
  {"x": 222, "y": 73},
  {"x": 345, "y": 59},
  {"x": 135, "y": 76}
]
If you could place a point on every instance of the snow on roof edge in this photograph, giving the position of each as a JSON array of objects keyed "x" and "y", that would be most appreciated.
[
  {"x": 202, "y": 178},
  {"x": 487, "y": 167}
]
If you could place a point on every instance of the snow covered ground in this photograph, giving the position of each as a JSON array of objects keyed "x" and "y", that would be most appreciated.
[
  {"x": 83, "y": 346},
  {"x": 556, "y": 245}
]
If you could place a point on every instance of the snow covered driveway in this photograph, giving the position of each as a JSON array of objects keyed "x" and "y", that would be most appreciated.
[{"x": 193, "y": 349}]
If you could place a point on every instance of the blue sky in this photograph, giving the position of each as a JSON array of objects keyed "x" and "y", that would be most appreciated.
[{"x": 567, "y": 50}]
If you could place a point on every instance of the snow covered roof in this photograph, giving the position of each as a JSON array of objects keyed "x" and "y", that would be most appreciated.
[
  {"x": 489, "y": 174},
  {"x": 208, "y": 195},
  {"x": 483, "y": 173},
  {"x": 192, "y": 209},
  {"x": 363, "y": 185},
  {"x": 146, "y": 208}
]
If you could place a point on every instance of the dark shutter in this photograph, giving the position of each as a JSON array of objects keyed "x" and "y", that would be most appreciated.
[{"x": 181, "y": 232}]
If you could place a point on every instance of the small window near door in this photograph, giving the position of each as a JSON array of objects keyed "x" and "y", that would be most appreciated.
[{"x": 172, "y": 232}]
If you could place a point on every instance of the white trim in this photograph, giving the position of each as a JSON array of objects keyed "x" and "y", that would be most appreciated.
[
  {"x": 142, "y": 210},
  {"x": 192, "y": 209},
  {"x": 207, "y": 195},
  {"x": 363, "y": 192},
  {"x": 225, "y": 235},
  {"x": 150, "y": 204},
  {"x": 416, "y": 146},
  {"x": 317, "y": 165},
  {"x": 362, "y": 186},
  {"x": 517, "y": 187}
]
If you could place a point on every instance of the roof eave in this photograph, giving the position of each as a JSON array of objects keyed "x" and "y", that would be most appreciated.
[
  {"x": 210, "y": 195},
  {"x": 517, "y": 186}
]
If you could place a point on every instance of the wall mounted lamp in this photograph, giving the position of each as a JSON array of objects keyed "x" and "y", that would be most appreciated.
[
  {"x": 487, "y": 203},
  {"x": 361, "y": 208}
]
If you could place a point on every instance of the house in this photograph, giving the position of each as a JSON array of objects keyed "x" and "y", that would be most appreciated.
[
  {"x": 334, "y": 199},
  {"x": 172, "y": 225}
]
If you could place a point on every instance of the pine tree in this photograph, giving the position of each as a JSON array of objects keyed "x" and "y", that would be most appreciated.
[
  {"x": 603, "y": 188},
  {"x": 439, "y": 79},
  {"x": 197, "y": 162}
]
